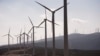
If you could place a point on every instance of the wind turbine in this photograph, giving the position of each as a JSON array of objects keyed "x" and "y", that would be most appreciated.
[
  {"x": 66, "y": 51},
  {"x": 24, "y": 42},
  {"x": 8, "y": 39},
  {"x": 45, "y": 21},
  {"x": 24, "y": 36},
  {"x": 53, "y": 21},
  {"x": 33, "y": 34},
  {"x": 19, "y": 38}
]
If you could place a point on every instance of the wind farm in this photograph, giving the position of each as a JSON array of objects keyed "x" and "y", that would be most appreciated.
[{"x": 48, "y": 28}]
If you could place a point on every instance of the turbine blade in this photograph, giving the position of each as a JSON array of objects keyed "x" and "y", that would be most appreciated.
[
  {"x": 10, "y": 36},
  {"x": 16, "y": 35},
  {"x": 45, "y": 14},
  {"x": 30, "y": 20},
  {"x": 31, "y": 35},
  {"x": 20, "y": 35},
  {"x": 51, "y": 22},
  {"x": 9, "y": 31},
  {"x": 5, "y": 35},
  {"x": 30, "y": 30},
  {"x": 41, "y": 23},
  {"x": 21, "y": 31},
  {"x": 43, "y": 6},
  {"x": 27, "y": 35},
  {"x": 59, "y": 8},
  {"x": 38, "y": 27}
]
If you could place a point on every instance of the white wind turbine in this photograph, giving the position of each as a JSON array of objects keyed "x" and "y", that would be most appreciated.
[
  {"x": 45, "y": 21},
  {"x": 33, "y": 27},
  {"x": 9, "y": 39},
  {"x": 53, "y": 21},
  {"x": 24, "y": 34},
  {"x": 19, "y": 38}
]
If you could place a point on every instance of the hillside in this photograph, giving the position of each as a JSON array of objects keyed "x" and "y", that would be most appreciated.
[
  {"x": 76, "y": 41},
  {"x": 79, "y": 45}
]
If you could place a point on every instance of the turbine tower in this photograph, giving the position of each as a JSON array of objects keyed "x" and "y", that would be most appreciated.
[
  {"x": 66, "y": 51},
  {"x": 53, "y": 21},
  {"x": 20, "y": 38}
]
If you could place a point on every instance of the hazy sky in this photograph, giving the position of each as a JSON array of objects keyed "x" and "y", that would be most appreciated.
[{"x": 83, "y": 15}]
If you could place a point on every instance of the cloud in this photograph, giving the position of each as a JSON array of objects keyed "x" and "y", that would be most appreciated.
[{"x": 77, "y": 20}]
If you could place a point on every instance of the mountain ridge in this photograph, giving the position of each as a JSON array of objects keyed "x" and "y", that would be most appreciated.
[{"x": 76, "y": 41}]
